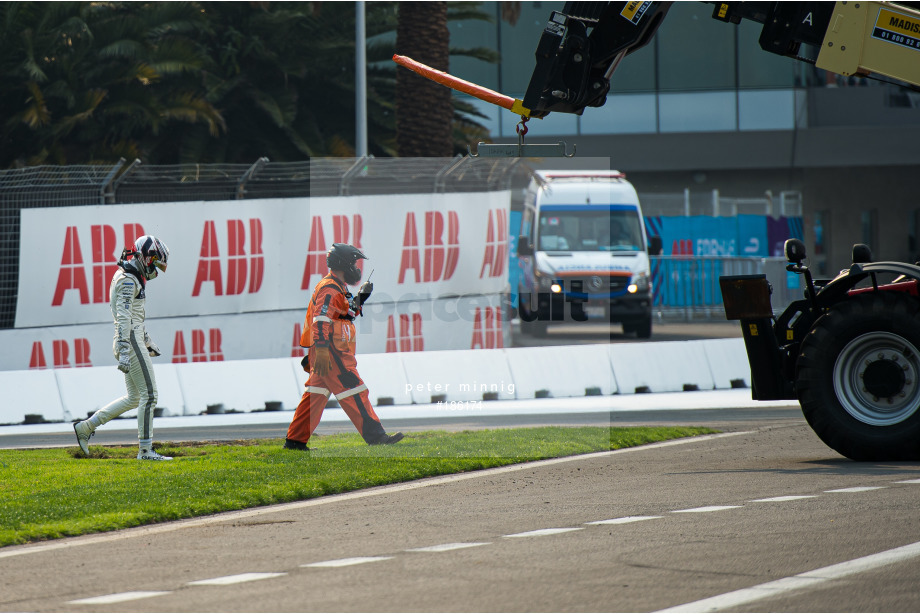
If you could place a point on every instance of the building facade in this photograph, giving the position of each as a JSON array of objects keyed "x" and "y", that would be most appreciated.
[{"x": 703, "y": 109}]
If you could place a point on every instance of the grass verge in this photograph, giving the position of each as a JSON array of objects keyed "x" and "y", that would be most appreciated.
[{"x": 53, "y": 493}]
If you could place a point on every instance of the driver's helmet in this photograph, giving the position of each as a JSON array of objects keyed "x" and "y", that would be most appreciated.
[{"x": 150, "y": 255}]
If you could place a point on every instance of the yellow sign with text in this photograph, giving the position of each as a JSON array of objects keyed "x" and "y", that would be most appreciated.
[
  {"x": 897, "y": 28},
  {"x": 633, "y": 11}
]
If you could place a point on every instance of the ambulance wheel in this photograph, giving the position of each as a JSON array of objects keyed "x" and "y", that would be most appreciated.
[
  {"x": 858, "y": 377},
  {"x": 531, "y": 323},
  {"x": 642, "y": 328},
  {"x": 537, "y": 328}
]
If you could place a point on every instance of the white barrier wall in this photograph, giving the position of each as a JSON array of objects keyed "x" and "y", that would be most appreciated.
[
  {"x": 568, "y": 371},
  {"x": 728, "y": 361},
  {"x": 410, "y": 378},
  {"x": 29, "y": 392},
  {"x": 463, "y": 375},
  {"x": 83, "y": 391},
  {"x": 243, "y": 385},
  {"x": 665, "y": 366}
]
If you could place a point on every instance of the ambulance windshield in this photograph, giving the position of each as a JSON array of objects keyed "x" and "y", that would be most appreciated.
[{"x": 589, "y": 229}]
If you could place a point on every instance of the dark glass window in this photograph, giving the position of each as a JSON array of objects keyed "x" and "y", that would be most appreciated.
[
  {"x": 759, "y": 69},
  {"x": 695, "y": 51}
]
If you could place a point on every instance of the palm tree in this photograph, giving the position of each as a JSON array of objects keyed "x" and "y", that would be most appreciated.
[
  {"x": 423, "y": 108},
  {"x": 282, "y": 75},
  {"x": 283, "y": 78},
  {"x": 172, "y": 82},
  {"x": 430, "y": 120},
  {"x": 91, "y": 82}
]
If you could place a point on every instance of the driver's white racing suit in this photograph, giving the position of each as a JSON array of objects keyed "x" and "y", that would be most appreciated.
[{"x": 132, "y": 348}]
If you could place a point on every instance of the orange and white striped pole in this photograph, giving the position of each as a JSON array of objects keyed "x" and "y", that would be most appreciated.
[{"x": 514, "y": 105}]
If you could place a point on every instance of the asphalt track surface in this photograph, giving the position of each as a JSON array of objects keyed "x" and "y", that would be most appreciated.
[{"x": 761, "y": 518}]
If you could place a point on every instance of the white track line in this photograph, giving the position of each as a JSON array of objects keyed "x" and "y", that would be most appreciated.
[
  {"x": 783, "y": 498},
  {"x": 358, "y": 494},
  {"x": 448, "y": 547},
  {"x": 624, "y": 520},
  {"x": 118, "y": 597},
  {"x": 707, "y": 508},
  {"x": 807, "y": 580},
  {"x": 235, "y": 579},
  {"x": 908, "y": 482},
  {"x": 857, "y": 489},
  {"x": 355, "y": 560},
  {"x": 542, "y": 532}
]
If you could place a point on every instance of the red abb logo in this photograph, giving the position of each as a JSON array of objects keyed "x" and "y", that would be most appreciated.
[
  {"x": 487, "y": 329},
  {"x": 200, "y": 351},
  {"x": 105, "y": 254},
  {"x": 317, "y": 248},
  {"x": 240, "y": 265},
  {"x": 61, "y": 350},
  {"x": 496, "y": 252},
  {"x": 440, "y": 257},
  {"x": 682, "y": 247},
  {"x": 410, "y": 333}
]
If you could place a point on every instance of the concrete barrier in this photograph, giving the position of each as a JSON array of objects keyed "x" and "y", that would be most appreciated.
[
  {"x": 561, "y": 371},
  {"x": 383, "y": 374},
  {"x": 86, "y": 390},
  {"x": 457, "y": 375},
  {"x": 401, "y": 378},
  {"x": 386, "y": 379},
  {"x": 663, "y": 366},
  {"x": 728, "y": 362},
  {"x": 241, "y": 385},
  {"x": 29, "y": 392}
]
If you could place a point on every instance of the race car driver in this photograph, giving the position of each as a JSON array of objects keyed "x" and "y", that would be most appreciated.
[
  {"x": 329, "y": 335},
  {"x": 132, "y": 345}
]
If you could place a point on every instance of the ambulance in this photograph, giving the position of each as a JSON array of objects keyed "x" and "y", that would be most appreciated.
[{"x": 584, "y": 253}]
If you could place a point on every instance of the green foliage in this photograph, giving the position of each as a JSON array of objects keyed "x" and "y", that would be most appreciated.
[
  {"x": 53, "y": 493},
  {"x": 89, "y": 82},
  {"x": 190, "y": 82}
]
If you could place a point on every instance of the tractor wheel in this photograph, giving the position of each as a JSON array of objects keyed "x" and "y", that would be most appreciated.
[{"x": 858, "y": 377}]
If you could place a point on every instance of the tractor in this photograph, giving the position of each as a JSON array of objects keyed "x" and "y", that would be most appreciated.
[{"x": 848, "y": 351}]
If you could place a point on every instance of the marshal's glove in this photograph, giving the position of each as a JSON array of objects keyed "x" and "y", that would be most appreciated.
[
  {"x": 305, "y": 362},
  {"x": 124, "y": 356},
  {"x": 323, "y": 362},
  {"x": 364, "y": 292}
]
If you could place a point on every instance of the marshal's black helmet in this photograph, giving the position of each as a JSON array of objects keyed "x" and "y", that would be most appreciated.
[{"x": 343, "y": 257}]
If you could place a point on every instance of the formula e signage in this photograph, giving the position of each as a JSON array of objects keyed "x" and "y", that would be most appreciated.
[{"x": 230, "y": 257}]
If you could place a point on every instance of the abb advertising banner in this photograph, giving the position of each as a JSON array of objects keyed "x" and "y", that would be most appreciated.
[
  {"x": 259, "y": 255},
  {"x": 241, "y": 272}
]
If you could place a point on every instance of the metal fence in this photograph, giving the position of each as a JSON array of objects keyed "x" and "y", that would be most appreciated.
[
  {"x": 712, "y": 203},
  {"x": 687, "y": 287}
]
